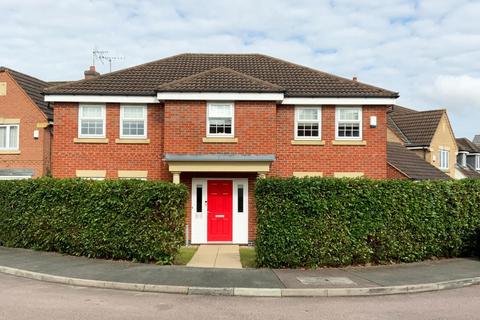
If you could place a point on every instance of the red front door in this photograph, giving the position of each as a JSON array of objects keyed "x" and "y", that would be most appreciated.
[{"x": 219, "y": 202}]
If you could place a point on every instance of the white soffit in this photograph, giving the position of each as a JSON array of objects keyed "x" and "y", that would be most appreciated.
[
  {"x": 220, "y": 96},
  {"x": 106, "y": 99},
  {"x": 339, "y": 101}
]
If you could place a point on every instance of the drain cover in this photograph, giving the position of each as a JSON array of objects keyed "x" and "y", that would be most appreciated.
[{"x": 325, "y": 281}]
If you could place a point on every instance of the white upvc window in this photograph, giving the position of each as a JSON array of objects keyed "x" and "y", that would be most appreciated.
[
  {"x": 308, "y": 123},
  {"x": 477, "y": 162},
  {"x": 348, "y": 123},
  {"x": 220, "y": 119},
  {"x": 91, "y": 121},
  {"x": 444, "y": 159},
  {"x": 133, "y": 121},
  {"x": 9, "y": 136}
]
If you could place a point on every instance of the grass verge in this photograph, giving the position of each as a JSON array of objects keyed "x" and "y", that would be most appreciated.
[
  {"x": 248, "y": 257},
  {"x": 185, "y": 255}
]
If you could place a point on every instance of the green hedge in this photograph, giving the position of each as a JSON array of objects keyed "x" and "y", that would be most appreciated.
[
  {"x": 119, "y": 219},
  {"x": 333, "y": 222}
]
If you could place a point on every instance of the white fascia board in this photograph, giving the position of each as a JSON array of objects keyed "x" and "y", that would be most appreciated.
[
  {"x": 220, "y": 96},
  {"x": 339, "y": 101},
  {"x": 104, "y": 99}
]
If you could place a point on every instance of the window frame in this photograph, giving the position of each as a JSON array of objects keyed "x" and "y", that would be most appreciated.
[
  {"x": 145, "y": 121},
  {"x": 104, "y": 120},
  {"x": 319, "y": 122},
  {"x": 360, "y": 122},
  {"x": 477, "y": 162},
  {"x": 221, "y": 135},
  {"x": 8, "y": 127},
  {"x": 441, "y": 163}
]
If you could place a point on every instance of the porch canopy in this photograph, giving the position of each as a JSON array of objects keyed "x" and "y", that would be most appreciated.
[{"x": 178, "y": 163}]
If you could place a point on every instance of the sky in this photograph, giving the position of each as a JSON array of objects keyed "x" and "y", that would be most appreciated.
[{"x": 427, "y": 50}]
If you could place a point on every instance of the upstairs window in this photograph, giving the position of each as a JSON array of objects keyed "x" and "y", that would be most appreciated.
[
  {"x": 444, "y": 159},
  {"x": 349, "y": 123},
  {"x": 220, "y": 120},
  {"x": 477, "y": 162},
  {"x": 133, "y": 122},
  {"x": 91, "y": 120},
  {"x": 9, "y": 137},
  {"x": 308, "y": 123}
]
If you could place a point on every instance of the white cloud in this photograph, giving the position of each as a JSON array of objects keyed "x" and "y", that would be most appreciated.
[{"x": 428, "y": 50}]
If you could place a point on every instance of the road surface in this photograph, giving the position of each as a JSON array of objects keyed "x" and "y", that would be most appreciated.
[{"x": 29, "y": 299}]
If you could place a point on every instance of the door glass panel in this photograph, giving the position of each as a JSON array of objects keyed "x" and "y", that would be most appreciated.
[
  {"x": 240, "y": 197},
  {"x": 199, "y": 203}
]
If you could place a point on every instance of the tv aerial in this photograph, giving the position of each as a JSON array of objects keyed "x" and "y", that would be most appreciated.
[{"x": 104, "y": 57}]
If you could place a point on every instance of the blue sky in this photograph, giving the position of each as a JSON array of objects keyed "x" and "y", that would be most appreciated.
[{"x": 429, "y": 50}]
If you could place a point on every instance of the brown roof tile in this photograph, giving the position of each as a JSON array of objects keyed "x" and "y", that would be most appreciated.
[
  {"x": 297, "y": 80},
  {"x": 418, "y": 127},
  {"x": 411, "y": 165},
  {"x": 33, "y": 87},
  {"x": 466, "y": 145},
  {"x": 220, "y": 80}
]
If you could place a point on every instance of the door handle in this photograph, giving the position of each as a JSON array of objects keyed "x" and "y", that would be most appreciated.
[{"x": 219, "y": 216}]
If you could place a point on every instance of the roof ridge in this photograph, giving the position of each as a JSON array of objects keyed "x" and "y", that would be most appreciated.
[
  {"x": 66, "y": 85},
  {"x": 196, "y": 75},
  {"x": 328, "y": 74},
  {"x": 413, "y": 114}
]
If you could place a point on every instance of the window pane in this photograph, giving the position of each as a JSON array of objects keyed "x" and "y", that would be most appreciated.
[
  {"x": 348, "y": 129},
  {"x": 240, "y": 199},
  {"x": 199, "y": 204},
  {"x": 349, "y": 114},
  {"x": 13, "y": 137},
  {"x": 307, "y": 129},
  {"x": 133, "y": 128},
  {"x": 220, "y": 111},
  {"x": 92, "y": 127},
  {"x": 220, "y": 126},
  {"x": 3, "y": 137},
  {"x": 133, "y": 112},
  {"x": 92, "y": 112},
  {"x": 308, "y": 114}
]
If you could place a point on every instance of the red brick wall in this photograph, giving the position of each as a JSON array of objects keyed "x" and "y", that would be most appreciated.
[
  {"x": 69, "y": 156},
  {"x": 185, "y": 126},
  {"x": 34, "y": 153},
  {"x": 370, "y": 159},
  {"x": 393, "y": 173}
]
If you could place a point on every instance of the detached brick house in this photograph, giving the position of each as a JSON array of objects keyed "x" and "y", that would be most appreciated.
[
  {"x": 25, "y": 126},
  {"x": 217, "y": 122}
]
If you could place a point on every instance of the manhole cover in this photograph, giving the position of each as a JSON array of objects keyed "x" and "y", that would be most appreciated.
[{"x": 325, "y": 281}]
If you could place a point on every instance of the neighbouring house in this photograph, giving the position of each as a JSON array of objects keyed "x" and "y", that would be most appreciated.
[
  {"x": 476, "y": 140},
  {"x": 217, "y": 122},
  {"x": 406, "y": 164},
  {"x": 468, "y": 159},
  {"x": 25, "y": 126},
  {"x": 427, "y": 133}
]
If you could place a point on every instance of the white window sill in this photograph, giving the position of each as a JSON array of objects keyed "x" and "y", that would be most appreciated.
[
  {"x": 220, "y": 140},
  {"x": 132, "y": 141},
  {"x": 90, "y": 140},
  {"x": 308, "y": 142},
  {"x": 349, "y": 142}
]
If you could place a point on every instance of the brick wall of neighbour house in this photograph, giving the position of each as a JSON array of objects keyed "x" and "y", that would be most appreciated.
[
  {"x": 69, "y": 156},
  {"x": 370, "y": 159},
  {"x": 393, "y": 173},
  {"x": 34, "y": 153}
]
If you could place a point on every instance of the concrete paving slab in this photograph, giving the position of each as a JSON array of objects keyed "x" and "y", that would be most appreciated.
[{"x": 216, "y": 256}]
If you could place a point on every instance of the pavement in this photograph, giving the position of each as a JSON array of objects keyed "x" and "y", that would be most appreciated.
[
  {"x": 216, "y": 256},
  {"x": 351, "y": 281}
]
